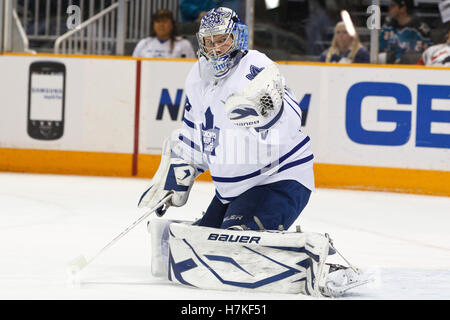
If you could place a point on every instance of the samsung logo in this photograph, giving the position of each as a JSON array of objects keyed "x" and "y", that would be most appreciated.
[{"x": 233, "y": 238}]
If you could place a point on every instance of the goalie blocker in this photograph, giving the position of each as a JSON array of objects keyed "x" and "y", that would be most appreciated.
[{"x": 236, "y": 260}]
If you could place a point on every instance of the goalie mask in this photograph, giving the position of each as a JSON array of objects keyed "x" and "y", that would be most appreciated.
[{"x": 222, "y": 38}]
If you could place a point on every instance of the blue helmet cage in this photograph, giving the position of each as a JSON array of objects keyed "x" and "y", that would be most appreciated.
[{"x": 213, "y": 23}]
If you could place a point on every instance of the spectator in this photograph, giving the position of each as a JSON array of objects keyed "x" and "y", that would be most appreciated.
[
  {"x": 163, "y": 41},
  {"x": 402, "y": 34},
  {"x": 194, "y": 10},
  {"x": 316, "y": 27},
  {"x": 438, "y": 55},
  {"x": 345, "y": 48}
]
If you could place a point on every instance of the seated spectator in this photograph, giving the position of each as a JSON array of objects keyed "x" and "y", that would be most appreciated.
[
  {"x": 194, "y": 10},
  {"x": 438, "y": 55},
  {"x": 164, "y": 42},
  {"x": 345, "y": 48},
  {"x": 402, "y": 34}
]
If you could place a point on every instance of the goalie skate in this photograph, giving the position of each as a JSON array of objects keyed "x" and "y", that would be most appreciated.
[{"x": 341, "y": 279}]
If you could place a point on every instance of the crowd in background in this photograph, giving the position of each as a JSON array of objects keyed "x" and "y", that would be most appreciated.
[{"x": 311, "y": 31}]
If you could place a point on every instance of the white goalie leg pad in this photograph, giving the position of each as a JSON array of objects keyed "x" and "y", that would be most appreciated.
[
  {"x": 158, "y": 229},
  {"x": 232, "y": 260},
  {"x": 159, "y": 232}
]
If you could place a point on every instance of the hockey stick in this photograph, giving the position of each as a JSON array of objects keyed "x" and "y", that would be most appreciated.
[{"x": 79, "y": 263}]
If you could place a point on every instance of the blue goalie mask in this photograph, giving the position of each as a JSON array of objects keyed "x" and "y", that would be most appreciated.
[{"x": 222, "y": 38}]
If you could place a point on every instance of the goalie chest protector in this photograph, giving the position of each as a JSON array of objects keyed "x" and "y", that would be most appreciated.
[{"x": 240, "y": 158}]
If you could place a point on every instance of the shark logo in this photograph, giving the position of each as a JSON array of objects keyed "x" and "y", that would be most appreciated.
[
  {"x": 253, "y": 72},
  {"x": 210, "y": 135}
]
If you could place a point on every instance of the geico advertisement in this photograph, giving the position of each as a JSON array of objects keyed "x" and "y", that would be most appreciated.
[
  {"x": 385, "y": 117},
  {"x": 67, "y": 104}
]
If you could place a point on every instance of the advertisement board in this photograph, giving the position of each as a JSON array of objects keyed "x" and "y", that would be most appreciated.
[
  {"x": 380, "y": 117},
  {"x": 371, "y": 127},
  {"x": 67, "y": 115},
  {"x": 67, "y": 104},
  {"x": 365, "y": 116}
]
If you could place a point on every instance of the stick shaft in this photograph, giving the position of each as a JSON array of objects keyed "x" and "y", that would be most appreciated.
[{"x": 129, "y": 228}]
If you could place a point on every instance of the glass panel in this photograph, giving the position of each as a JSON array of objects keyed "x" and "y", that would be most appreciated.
[{"x": 304, "y": 30}]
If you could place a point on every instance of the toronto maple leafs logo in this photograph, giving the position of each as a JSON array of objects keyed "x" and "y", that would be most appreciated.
[
  {"x": 253, "y": 72},
  {"x": 210, "y": 135}
]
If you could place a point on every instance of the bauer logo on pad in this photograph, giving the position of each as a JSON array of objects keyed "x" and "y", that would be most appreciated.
[{"x": 233, "y": 238}]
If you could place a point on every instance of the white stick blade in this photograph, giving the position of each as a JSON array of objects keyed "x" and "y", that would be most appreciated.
[{"x": 76, "y": 265}]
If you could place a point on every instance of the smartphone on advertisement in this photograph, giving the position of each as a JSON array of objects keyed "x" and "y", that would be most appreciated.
[{"x": 46, "y": 100}]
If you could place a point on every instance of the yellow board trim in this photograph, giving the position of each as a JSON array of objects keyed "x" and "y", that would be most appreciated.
[
  {"x": 283, "y": 62},
  {"x": 428, "y": 182},
  {"x": 51, "y": 55},
  {"x": 363, "y": 65},
  {"x": 66, "y": 162},
  {"x": 86, "y": 56}
]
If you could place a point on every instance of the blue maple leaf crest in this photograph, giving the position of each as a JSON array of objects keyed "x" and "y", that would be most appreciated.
[
  {"x": 210, "y": 135},
  {"x": 253, "y": 72}
]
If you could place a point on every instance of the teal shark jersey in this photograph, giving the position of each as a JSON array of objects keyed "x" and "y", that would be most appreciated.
[{"x": 397, "y": 40}]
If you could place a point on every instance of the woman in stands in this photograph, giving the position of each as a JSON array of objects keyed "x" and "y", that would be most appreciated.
[
  {"x": 164, "y": 42},
  {"x": 345, "y": 48}
]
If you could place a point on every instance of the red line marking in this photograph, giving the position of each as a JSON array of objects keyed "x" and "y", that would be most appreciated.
[{"x": 136, "y": 119}]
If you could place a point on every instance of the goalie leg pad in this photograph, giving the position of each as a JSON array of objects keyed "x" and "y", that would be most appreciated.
[
  {"x": 159, "y": 232},
  {"x": 209, "y": 258}
]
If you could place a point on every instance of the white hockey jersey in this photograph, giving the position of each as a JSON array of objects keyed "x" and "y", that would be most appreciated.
[
  {"x": 154, "y": 48},
  {"x": 240, "y": 158},
  {"x": 437, "y": 56}
]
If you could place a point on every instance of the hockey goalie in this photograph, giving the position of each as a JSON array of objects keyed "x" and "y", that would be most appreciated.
[{"x": 243, "y": 124}]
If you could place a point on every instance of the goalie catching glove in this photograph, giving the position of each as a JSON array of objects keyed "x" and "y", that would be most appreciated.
[
  {"x": 260, "y": 104},
  {"x": 174, "y": 176}
]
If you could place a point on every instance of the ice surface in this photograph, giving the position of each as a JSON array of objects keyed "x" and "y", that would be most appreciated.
[{"x": 48, "y": 220}]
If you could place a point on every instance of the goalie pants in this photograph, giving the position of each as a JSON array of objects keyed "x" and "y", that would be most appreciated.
[{"x": 276, "y": 206}]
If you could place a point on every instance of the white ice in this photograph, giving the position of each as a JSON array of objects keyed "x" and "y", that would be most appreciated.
[{"x": 48, "y": 220}]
